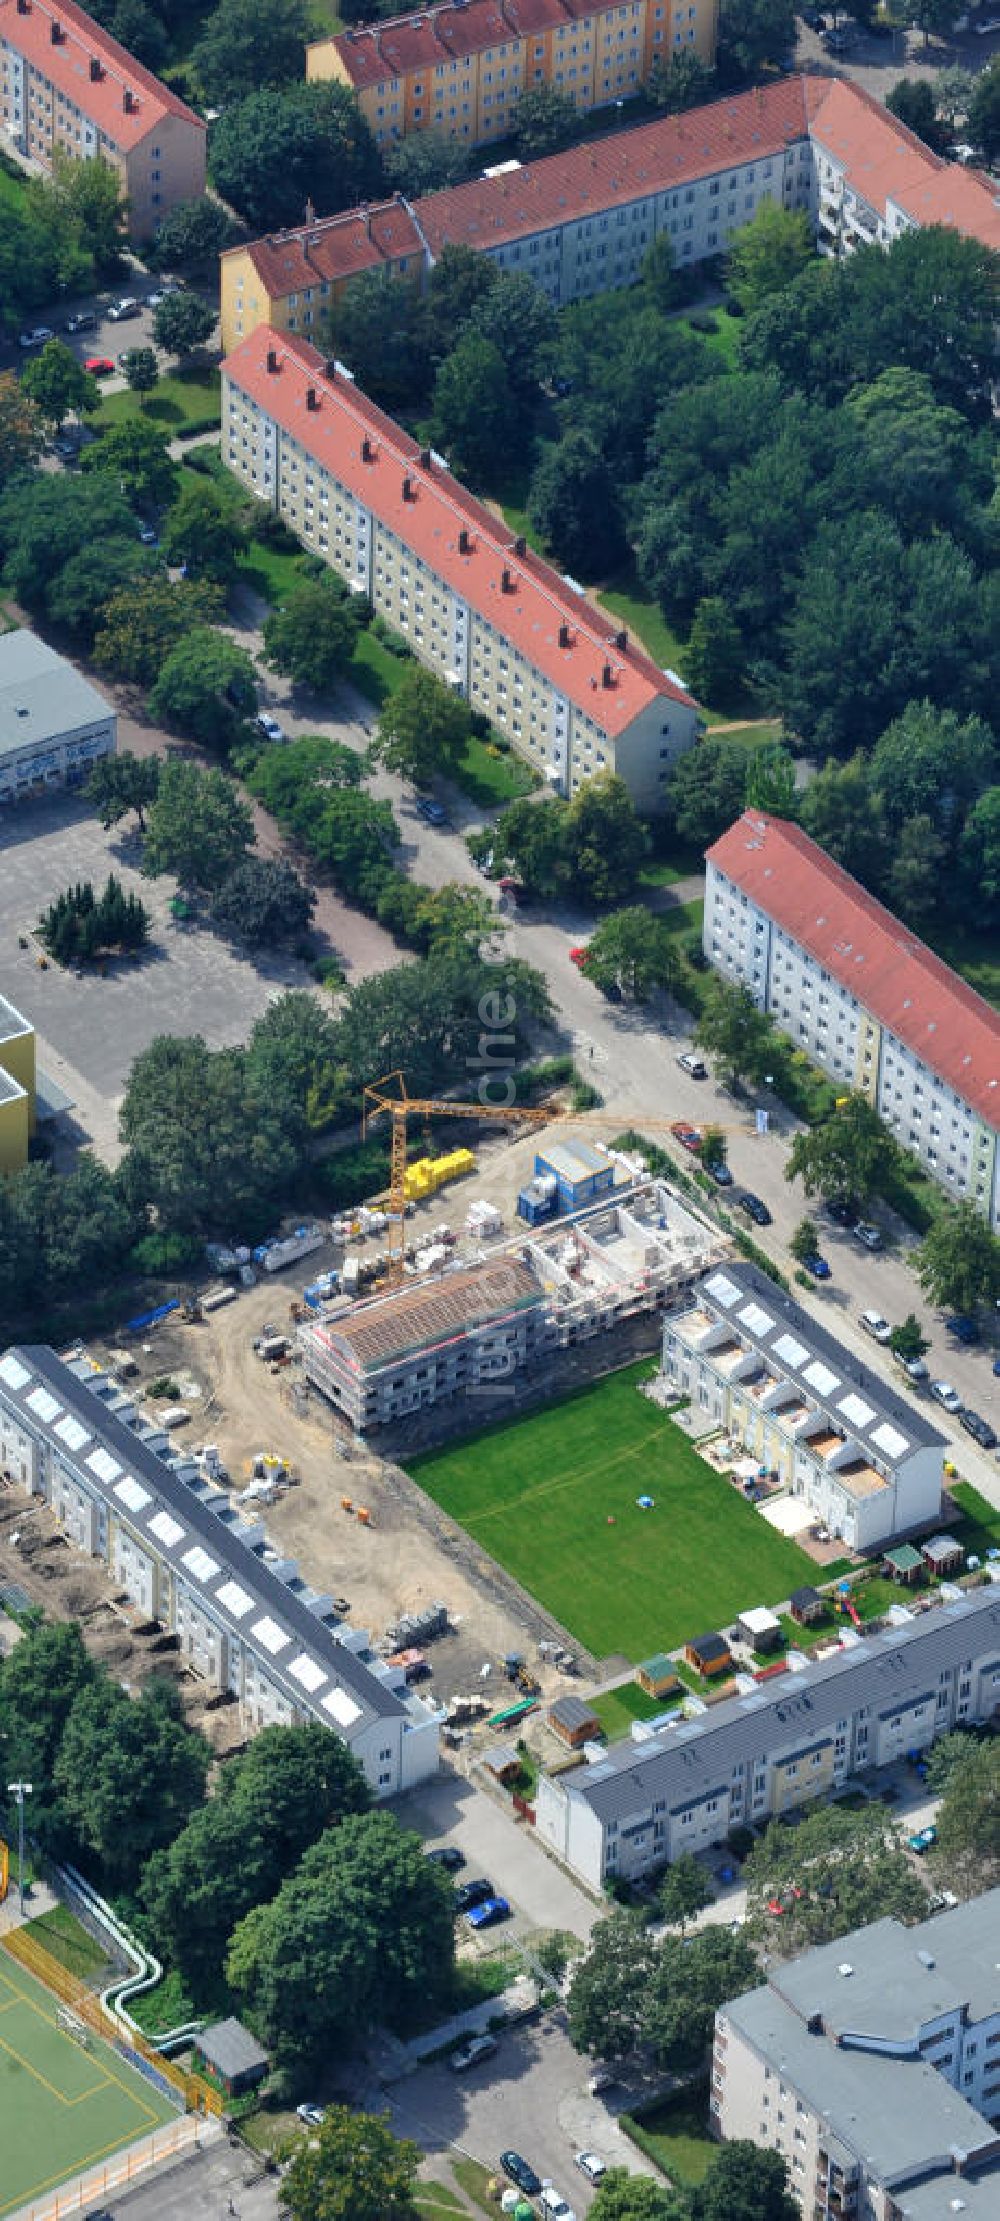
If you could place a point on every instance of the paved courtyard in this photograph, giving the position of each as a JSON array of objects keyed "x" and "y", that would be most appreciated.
[{"x": 91, "y": 1028}]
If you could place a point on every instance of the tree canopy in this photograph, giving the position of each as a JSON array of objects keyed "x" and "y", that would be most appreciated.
[
  {"x": 313, "y": 634},
  {"x": 199, "y": 826},
  {"x": 848, "y": 1155},
  {"x": 838, "y": 1870},
  {"x": 206, "y": 689},
  {"x": 422, "y": 727},
  {"x": 280, "y": 146},
  {"x": 958, "y": 1262},
  {"x": 352, "y": 2169}
]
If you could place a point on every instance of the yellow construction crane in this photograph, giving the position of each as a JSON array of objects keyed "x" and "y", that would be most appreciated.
[{"x": 390, "y": 1094}]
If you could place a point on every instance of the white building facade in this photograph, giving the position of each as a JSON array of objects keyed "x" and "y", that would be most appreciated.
[
  {"x": 54, "y": 726},
  {"x": 864, "y": 999}
]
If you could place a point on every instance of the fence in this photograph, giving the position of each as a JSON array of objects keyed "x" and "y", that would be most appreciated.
[
  {"x": 186, "y": 2091},
  {"x": 116, "y": 2174}
]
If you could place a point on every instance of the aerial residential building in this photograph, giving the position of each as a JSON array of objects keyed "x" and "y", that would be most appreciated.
[
  {"x": 53, "y": 724},
  {"x": 565, "y": 685},
  {"x": 580, "y": 222},
  {"x": 246, "y": 1622},
  {"x": 862, "y": 996},
  {"x": 748, "y": 1758},
  {"x": 872, "y": 2065},
  {"x": 17, "y": 1087},
  {"x": 67, "y": 87},
  {"x": 863, "y": 1459},
  {"x": 461, "y": 66}
]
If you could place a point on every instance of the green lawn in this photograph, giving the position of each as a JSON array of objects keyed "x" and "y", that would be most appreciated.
[
  {"x": 475, "y": 2181},
  {"x": 676, "y": 2137},
  {"x": 553, "y": 1497},
  {"x": 64, "y": 2107},
  {"x": 435, "y": 2199},
  {"x": 723, "y": 342},
  {"x": 617, "y": 1708},
  {"x": 13, "y": 184},
  {"x": 183, "y": 398},
  {"x": 627, "y": 600},
  {"x": 980, "y": 1528},
  {"x": 491, "y": 781},
  {"x": 65, "y": 1939},
  {"x": 270, "y": 572}
]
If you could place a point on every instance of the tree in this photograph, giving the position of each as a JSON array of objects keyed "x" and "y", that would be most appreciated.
[
  {"x": 953, "y": 90},
  {"x": 714, "y": 656},
  {"x": 967, "y": 1850},
  {"x": 239, "y": 51},
  {"x": 771, "y": 781},
  {"x": 622, "y": 2196},
  {"x": 958, "y": 1262},
  {"x": 769, "y": 253},
  {"x": 422, "y": 727},
  {"x": 20, "y": 429},
  {"x": 472, "y": 408},
  {"x": 573, "y": 503},
  {"x": 707, "y": 790},
  {"x": 691, "y": 1977},
  {"x": 362, "y": 1931},
  {"x": 606, "y": 840},
  {"x": 848, "y": 1155},
  {"x": 199, "y": 827},
  {"x": 87, "y": 198},
  {"x": 634, "y": 951},
  {"x": 983, "y": 114},
  {"x": 913, "y": 101},
  {"x": 206, "y": 689},
  {"x": 293, "y": 1058},
  {"x": 452, "y": 920},
  {"x": 118, "y": 784},
  {"x": 313, "y": 635},
  {"x": 534, "y": 839},
  {"x": 376, "y": 329},
  {"x": 39, "y": 1683},
  {"x": 352, "y": 2169},
  {"x": 205, "y": 532},
  {"x": 685, "y": 81},
  {"x": 262, "y": 902},
  {"x": 661, "y": 285},
  {"x": 933, "y": 765},
  {"x": 57, "y": 383},
  {"x": 840, "y": 811},
  {"x": 939, "y": 16},
  {"x": 908, "y": 1340},
  {"x": 182, "y": 322},
  {"x": 460, "y": 280},
  {"x": 521, "y": 322},
  {"x": 914, "y": 880},
  {"x": 141, "y": 371},
  {"x": 137, "y": 455},
  {"x": 68, "y": 543},
  {"x": 427, "y": 162},
  {"x": 205, "y": 1148},
  {"x": 744, "y": 2183},
  {"x": 140, "y": 624},
  {"x": 752, "y": 32},
  {"x": 804, "y": 1242},
  {"x": 684, "y": 1891},
  {"x": 734, "y": 1033},
  {"x": 979, "y": 856},
  {"x": 192, "y": 236},
  {"x": 275, "y": 150},
  {"x": 544, "y": 121},
  {"x": 838, "y": 1870},
  {"x": 128, "y": 1774},
  {"x": 608, "y": 1987},
  {"x": 79, "y": 925}
]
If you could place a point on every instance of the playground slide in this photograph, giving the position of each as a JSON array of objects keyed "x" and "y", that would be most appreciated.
[{"x": 853, "y": 1612}]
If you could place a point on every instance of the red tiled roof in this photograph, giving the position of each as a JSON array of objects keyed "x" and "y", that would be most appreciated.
[
  {"x": 334, "y": 248},
  {"x": 372, "y": 52},
  {"x": 67, "y": 64},
  {"x": 535, "y": 607},
  {"x": 883, "y": 162},
  {"x": 604, "y": 173},
  {"x": 898, "y": 978}
]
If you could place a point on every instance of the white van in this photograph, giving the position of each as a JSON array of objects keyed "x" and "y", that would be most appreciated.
[{"x": 876, "y": 1326}]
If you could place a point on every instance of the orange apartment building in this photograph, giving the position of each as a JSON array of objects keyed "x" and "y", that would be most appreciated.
[
  {"x": 461, "y": 67},
  {"x": 67, "y": 87}
]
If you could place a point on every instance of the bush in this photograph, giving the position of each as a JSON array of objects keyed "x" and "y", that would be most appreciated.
[
  {"x": 584, "y": 1097},
  {"x": 352, "y": 1174},
  {"x": 166, "y": 1253},
  {"x": 327, "y": 971}
]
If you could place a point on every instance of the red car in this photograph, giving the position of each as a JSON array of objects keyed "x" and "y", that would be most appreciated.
[
  {"x": 579, "y": 957},
  {"x": 99, "y": 366},
  {"x": 688, "y": 1136}
]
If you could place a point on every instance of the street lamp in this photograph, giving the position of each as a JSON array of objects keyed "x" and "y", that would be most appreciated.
[{"x": 20, "y": 1790}]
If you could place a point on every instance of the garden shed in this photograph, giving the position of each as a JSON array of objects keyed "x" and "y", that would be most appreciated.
[
  {"x": 233, "y": 2057},
  {"x": 574, "y": 1722},
  {"x": 709, "y": 1655},
  {"x": 806, "y": 1606},
  {"x": 942, "y": 1555},
  {"x": 658, "y": 1676}
]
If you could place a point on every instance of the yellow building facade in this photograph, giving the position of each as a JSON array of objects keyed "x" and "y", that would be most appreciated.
[{"x": 17, "y": 1087}]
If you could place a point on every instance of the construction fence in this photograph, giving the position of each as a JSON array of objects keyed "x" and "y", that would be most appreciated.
[{"x": 186, "y": 2091}]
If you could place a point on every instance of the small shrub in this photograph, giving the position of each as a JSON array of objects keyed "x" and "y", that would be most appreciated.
[
  {"x": 704, "y": 323},
  {"x": 327, "y": 971},
  {"x": 166, "y": 1253},
  {"x": 165, "y": 1389},
  {"x": 584, "y": 1097}
]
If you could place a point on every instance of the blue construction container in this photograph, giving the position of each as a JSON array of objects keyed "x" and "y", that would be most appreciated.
[
  {"x": 582, "y": 1174},
  {"x": 538, "y": 1202}
]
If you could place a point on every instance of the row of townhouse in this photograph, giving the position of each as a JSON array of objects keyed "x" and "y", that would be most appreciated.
[
  {"x": 462, "y": 66},
  {"x": 581, "y": 222},
  {"x": 246, "y": 1622},
  {"x": 872, "y": 2065},
  {"x": 750, "y": 1758},
  {"x": 865, "y": 1461},
  {"x": 68, "y": 88},
  {"x": 867, "y": 1001},
  {"x": 523, "y": 645}
]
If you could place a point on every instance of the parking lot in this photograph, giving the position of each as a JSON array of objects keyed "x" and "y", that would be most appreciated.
[{"x": 450, "y": 1809}]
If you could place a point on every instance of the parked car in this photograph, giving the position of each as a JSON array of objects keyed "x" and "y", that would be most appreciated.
[
  {"x": 817, "y": 1266},
  {"x": 874, "y": 1324},
  {"x": 521, "y": 2174},
  {"x": 963, "y": 1328},
  {"x": 489, "y": 1913},
  {"x": 473, "y": 1893},
  {"x": 746, "y": 1201},
  {"x": 688, "y": 1136},
  {"x": 979, "y": 1428},
  {"x": 590, "y": 2165},
  {"x": 268, "y": 725},
  {"x": 83, "y": 321},
  {"x": 447, "y": 1855},
  {"x": 842, "y": 1211},
  {"x": 693, "y": 1065},
  {"x": 36, "y": 337},
  {"x": 473, "y": 2053},
  {"x": 870, "y": 1236},
  {"x": 149, "y": 536},
  {"x": 719, "y": 1171},
  {"x": 922, "y": 1841},
  {"x": 554, "y": 2206},
  {"x": 913, "y": 1367},
  {"x": 433, "y": 813},
  {"x": 943, "y": 1393},
  {"x": 119, "y": 311},
  {"x": 312, "y": 2115},
  {"x": 99, "y": 366}
]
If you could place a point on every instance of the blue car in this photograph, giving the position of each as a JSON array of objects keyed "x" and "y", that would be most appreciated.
[
  {"x": 488, "y": 1913},
  {"x": 818, "y": 1267},
  {"x": 964, "y": 1329},
  {"x": 720, "y": 1173}
]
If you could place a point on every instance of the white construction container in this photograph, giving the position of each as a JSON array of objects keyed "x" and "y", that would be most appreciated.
[
  {"x": 351, "y": 1275},
  {"x": 175, "y": 1415},
  {"x": 287, "y": 1251},
  {"x": 218, "y": 1296}
]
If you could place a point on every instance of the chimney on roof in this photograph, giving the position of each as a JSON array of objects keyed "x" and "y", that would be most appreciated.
[
  {"x": 312, "y": 398},
  {"x": 330, "y": 367},
  {"x": 23, "y": 8},
  {"x": 367, "y": 450},
  {"x": 565, "y": 637},
  {"x": 607, "y": 676},
  {"x": 425, "y": 458},
  {"x": 520, "y": 545},
  {"x": 464, "y": 542},
  {"x": 56, "y": 32},
  {"x": 621, "y": 642},
  {"x": 272, "y": 362},
  {"x": 310, "y": 212},
  {"x": 506, "y": 580},
  {"x": 96, "y": 70},
  {"x": 128, "y": 102},
  {"x": 409, "y": 490}
]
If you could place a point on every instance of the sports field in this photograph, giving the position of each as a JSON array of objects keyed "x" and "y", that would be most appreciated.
[
  {"x": 62, "y": 2108},
  {"x": 553, "y": 1497}
]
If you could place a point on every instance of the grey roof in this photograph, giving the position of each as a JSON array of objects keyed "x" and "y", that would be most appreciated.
[
  {"x": 230, "y": 2048},
  {"x": 41, "y": 695},
  {"x": 857, "y": 1399},
  {"x": 13, "y": 1025},
  {"x": 976, "y": 2197},
  {"x": 892, "y": 1989},
  {"x": 899, "y": 2117},
  {"x": 941, "y": 1546},
  {"x": 572, "y": 1713},
  {"x": 805, "y": 1595},
  {"x": 684, "y": 1763},
  {"x": 218, "y": 1559}
]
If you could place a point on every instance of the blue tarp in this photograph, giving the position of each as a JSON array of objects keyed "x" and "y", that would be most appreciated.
[{"x": 149, "y": 1318}]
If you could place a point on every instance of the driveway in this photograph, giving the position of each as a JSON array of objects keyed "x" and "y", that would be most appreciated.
[{"x": 450, "y": 1809}]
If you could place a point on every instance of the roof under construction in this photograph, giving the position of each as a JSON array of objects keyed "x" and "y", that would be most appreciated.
[{"x": 381, "y": 1332}]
